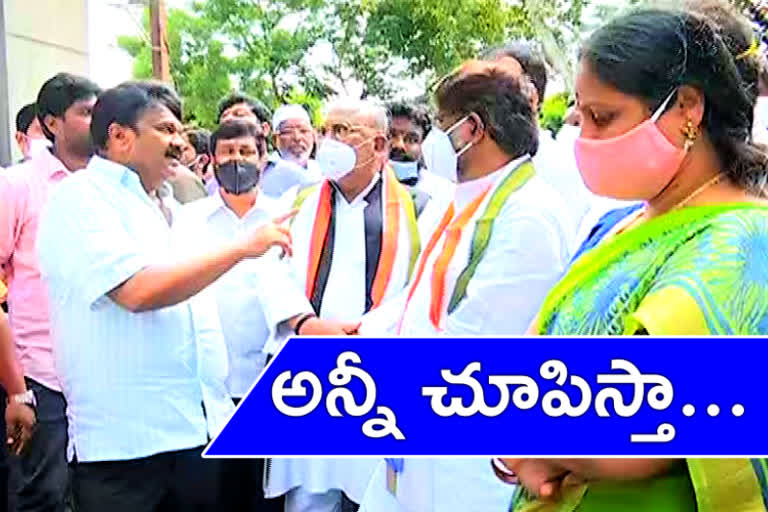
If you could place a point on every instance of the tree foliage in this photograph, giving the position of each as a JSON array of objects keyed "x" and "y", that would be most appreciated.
[
  {"x": 281, "y": 50},
  {"x": 199, "y": 69}
]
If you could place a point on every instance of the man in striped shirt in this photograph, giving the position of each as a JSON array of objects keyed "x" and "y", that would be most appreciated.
[{"x": 141, "y": 358}]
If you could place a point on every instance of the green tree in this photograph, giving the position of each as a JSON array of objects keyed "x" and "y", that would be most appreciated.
[
  {"x": 436, "y": 35},
  {"x": 357, "y": 56},
  {"x": 553, "y": 111},
  {"x": 199, "y": 69},
  {"x": 271, "y": 40},
  {"x": 279, "y": 50}
]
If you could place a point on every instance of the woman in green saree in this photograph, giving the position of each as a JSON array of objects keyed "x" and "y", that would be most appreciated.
[{"x": 692, "y": 260}]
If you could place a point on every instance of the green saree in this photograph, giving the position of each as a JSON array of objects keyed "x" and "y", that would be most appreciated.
[{"x": 696, "y": 271}]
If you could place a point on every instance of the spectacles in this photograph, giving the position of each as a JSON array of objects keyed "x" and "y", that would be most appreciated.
[
  {"x": 340, "y": 130},
  {"x": 294, "y": 132}
]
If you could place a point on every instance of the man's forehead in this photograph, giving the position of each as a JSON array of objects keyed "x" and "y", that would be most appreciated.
[
  {"x": 246, "y": 140},
  {"x": 293, "y": 122},
  {"x": 159, "y": 113},
  {"x": 352, "y": 116},
  {"x": 404, "y": 124}
]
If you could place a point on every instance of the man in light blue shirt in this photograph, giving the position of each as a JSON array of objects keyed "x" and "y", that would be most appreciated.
[
  {"x": 257, "y": 299},
  {"x": 138, "y": 346}
]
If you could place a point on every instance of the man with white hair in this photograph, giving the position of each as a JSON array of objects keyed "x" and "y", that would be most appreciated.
[
  {"x": 290, "y": 165},
  {"x": 294, "y": 137},
  {"x": 355, "y": 245}
]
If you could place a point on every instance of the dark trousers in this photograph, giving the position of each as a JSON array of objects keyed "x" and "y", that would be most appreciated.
[
  {"x": 167, "y": 482},
  {"x": 243, "y": 486},
  {"x": 39, "y": 478}
]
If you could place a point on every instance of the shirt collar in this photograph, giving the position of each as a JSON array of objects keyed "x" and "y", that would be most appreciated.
[
  {"x": 359, "y": 197},
  {"x": 118, "y": 173},
  {"x": 469, "y": 190},
  {"x": 52, "y": 165},
  {"x": 263, "y": 204},
  {"x": 108, "y": 168}
]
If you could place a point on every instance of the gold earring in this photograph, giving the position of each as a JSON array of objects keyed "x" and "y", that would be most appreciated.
[{"x": 691, "y": 133}]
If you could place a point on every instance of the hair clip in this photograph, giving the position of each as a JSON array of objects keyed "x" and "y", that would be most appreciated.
[{"x": 753, "y": 49}]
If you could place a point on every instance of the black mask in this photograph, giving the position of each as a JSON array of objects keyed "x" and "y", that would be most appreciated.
[{"x": 237, "y": 177}]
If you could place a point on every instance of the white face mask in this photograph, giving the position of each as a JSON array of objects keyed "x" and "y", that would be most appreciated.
[
  {"x": 405, "y": 170},
  {"x": 440, "y": 157},
  {"x": 37, "y": 146},
  {"x": 337, "y": 159}
]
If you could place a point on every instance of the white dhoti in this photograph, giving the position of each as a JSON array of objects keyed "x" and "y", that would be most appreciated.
[
  {"x": 317, "y": 478},
  {"x": 439, "y": 485}
]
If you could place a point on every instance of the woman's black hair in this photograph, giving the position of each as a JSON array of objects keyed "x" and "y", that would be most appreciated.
[
  {"x": 737, "y": 34},
  {"x": 649, "y": 53}
]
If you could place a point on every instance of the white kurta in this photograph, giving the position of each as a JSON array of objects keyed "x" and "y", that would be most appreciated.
[
  {"x": 441, "y": 193},
  {"x": 556, "y": 164},
  {"x": 344, "y": 297},
  {"x": 249, "y": 305},
  {"x": 344, "y": 300},
  {"x": 527, "y": 253}
]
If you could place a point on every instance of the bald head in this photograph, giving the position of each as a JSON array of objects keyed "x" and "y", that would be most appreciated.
[
  {"x": 360, "y": 112},
  {"x": 362, "y": 125}
]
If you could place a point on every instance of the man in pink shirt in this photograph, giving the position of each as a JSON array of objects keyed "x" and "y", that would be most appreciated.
[{"x": 39, "y": 477}]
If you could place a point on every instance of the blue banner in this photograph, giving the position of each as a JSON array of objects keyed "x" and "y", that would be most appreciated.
[{"x": 525, "y": 397}]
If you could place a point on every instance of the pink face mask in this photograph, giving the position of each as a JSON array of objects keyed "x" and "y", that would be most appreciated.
[{"x": 637, "y": 165}]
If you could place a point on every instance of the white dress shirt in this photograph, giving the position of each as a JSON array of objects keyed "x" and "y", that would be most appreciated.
[
  {"x": 527, "y": 253},
  {"x": 136, "y": 384},
  {"x": 255, "y": 295},
  {"x": 556, "y": 164},
  {"x": 344, "y": 300}
]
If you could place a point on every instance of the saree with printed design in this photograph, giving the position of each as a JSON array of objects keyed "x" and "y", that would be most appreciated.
[{"x": 696, "y": 271}]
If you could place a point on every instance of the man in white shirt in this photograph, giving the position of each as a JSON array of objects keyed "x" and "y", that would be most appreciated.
[
  {"x": 291, "y": 165},
  {"x": 295, "y": 138},
  {"x": 139, "y": 349},
  {"x": 555, "y": 163},
  {"x": 408, "y": 127},
  {"x": 512, "y": 234},
  {"x": 356, "y": 241},
  {"x": 257, "y": 297}
]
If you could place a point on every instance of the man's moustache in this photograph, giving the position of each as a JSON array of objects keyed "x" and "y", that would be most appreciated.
[
  {"x": 399, "y": 156},
  {"x": 173, "y": 152}
]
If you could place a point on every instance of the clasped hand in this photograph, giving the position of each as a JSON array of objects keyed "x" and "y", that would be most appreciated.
[{"x": 543, "y": 478}]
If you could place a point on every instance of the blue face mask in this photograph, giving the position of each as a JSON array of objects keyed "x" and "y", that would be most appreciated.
[{"x": 405, "y": 170}]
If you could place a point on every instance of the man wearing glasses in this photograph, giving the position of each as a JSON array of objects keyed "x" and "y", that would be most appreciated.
[
  {"x": 294, "y": 139},
  {"x": 355, "y": 244}
]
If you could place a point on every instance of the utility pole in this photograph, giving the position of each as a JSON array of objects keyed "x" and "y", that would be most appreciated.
[{"x": 161, "y": 69}]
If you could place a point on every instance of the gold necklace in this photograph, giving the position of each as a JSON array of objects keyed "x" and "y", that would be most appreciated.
[
  {"x": 640, "y": 215},
  {"x": 714, "y": 181}
]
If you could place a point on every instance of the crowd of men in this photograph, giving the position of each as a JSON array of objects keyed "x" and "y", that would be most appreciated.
[{"x": 153, "y": 270}]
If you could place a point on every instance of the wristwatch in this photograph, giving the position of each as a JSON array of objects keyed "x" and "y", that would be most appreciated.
[{"x": 26, "y": 398}]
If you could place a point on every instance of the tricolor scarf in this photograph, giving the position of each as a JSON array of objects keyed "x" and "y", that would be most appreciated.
[
  {"x": 398, "y": 207},
  {"x": 453, "y": 227}
]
